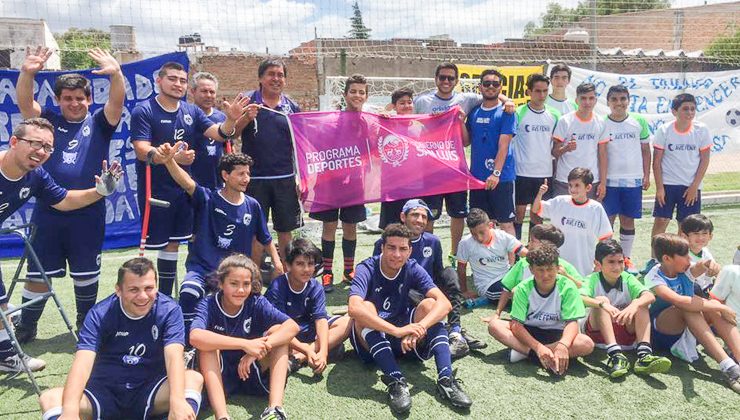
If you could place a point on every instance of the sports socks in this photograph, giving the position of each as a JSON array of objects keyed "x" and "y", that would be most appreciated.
[
  {"x": 30, "y": 314},
  {"x": 627, "y": 240},
  {"x": 727, "y": 364},
  {"x": 190, "y": 294},
  {"x": 644, "y": 349},
  {"x": 327, "y": 255},
  {"x": 167, "y": 268},
  {"x": 348, "y": 251},
  {"x": 518, "y": 230},
  {"x": 86, "y": 293},
  {"x": 6, "y": 348},
  {"x": 439, "y": 346},
  {"x": 193, "y": 398},
  {"x": 613, "y": 349},
  {"x": 52, "y": 414},
  {"x": 380, "y": 349}
]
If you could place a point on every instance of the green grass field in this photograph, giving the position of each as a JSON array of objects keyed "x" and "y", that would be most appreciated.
[{"x": 350, "y": 389}]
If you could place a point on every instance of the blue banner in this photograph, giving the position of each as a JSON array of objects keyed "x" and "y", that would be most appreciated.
[{"x": 122, "y": 212}]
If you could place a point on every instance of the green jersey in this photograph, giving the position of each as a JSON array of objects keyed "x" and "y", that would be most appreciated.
[
  {"x": 520, "y": 272},
  {"x": 552, "y": 311},
  {"x": 626, "y": 289}
]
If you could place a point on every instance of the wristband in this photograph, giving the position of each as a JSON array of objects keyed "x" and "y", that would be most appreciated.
[{"x": 224, "y": 135}]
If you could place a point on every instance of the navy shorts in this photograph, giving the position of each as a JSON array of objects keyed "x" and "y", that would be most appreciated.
[
  {"x": 351, "y": 214},
  {"x": 494, "y": 291},
  {"x": 661, "y": 341},
  {"x": 76, "y": 238},
  {"x": 544, "y": 336},
  {"x": 258, "y": 382},
  {"x": 390, "y": 212},
  {"x": 497, "y": 203},
  {"x": 674, "y": 200},
  {"x": 526, "y": 189},
  {"x": 626, "y": 201},
  {"x": 307, "y": 334},
  {"x": 456, "y": 204},
  {"x": 113, "y": 399},
  {"x": 279, "y": 198},
  {"x": 198, "y": 283},
  {"x": 171, "y": 224}
]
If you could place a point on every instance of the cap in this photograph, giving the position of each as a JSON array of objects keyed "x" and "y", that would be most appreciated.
[{"x": 415, "y": 204}]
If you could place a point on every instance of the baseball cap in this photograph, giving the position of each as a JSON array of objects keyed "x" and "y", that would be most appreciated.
[{"x": 415, "y": 204}]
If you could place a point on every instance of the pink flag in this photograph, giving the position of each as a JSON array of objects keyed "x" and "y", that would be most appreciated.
[{"x": 349, "y": 158}]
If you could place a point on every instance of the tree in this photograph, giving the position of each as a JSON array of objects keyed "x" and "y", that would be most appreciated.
[
  {"x": 74, "y": 43},
  {"x": 727, "y": 47},
  {"x": 358, "y": 30}
]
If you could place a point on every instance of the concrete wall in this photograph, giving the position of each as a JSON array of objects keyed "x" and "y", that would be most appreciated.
[{"x": 17, "y": 34}]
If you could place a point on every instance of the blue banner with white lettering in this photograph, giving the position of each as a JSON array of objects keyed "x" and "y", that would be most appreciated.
[{"x": 122, "y": 221}]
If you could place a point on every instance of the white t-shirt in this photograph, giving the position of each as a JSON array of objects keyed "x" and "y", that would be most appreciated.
[
  {"x": 681, "y": 151},
  {"x": 727, "y": 288},
  {"x": 583, "y": 225},
  {"x": 586, "y": 134},
  {"x": 488, "y": 262},
  {"x": 624, "y": 151},
  {"x": 429, "y": 103},
  {"x": 704, "y": 280},
  {"x": 533, "y": 141},
  {"x": 564, "y": 107}
]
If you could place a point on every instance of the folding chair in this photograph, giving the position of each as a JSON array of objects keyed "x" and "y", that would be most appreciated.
[{"x": 26, "y": 233}]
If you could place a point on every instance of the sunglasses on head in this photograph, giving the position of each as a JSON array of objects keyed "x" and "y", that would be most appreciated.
[
  {"x": 489, "y": 83},
  {"x": 442, "y": 78}
]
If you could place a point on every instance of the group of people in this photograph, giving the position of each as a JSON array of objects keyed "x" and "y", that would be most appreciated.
[{"x": 403, "y": 300}]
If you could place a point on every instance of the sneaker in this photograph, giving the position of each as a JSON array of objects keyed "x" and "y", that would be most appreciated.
[
  {"x": 649, "y": 266},
  {"x": 25, "y": 333},
  {"x": 630, "y": 267},
  {"x": 618, "y": 365},
  {"x": 399, "y": 398},
  {"x": 349, "y": 275},
  {"x": 449, "y": 389},
  {"x": 189, "y": 357},
  {"x": 515, "y": 356},
  {"x": 732, "y": 376},
  {"x": 274, "y": 413},
  {"x": 473, "y": 343},
  {"x": 458, "y": 347},
  {"x": 650, "y": 363},
  {"x": 14, "y": 364},
  {"x": 452, "y": 259},
  {"x": 327, "y": 280}
]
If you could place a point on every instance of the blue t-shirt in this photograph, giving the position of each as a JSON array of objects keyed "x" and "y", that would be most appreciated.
[
  {"x": 267, "y": 139},
  {"x": 222, "y": 228},
  {"x": 485, "y": 127},
  {"x": 131, "y": 351},
  {"x": 390, "y": 296},
  {"x": 680, "y": 284},
  {"x": 256, "y": 316},
  {"x": 426, "y": 250},
  {"x": 150, "y": 122},
  {"x": 207, "y": 154},
  {"x": 36, "y": 183},
  {"x": 305, "y": 306}
]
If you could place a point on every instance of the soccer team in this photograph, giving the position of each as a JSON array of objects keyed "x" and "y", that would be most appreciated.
[{"x": 403, "y": 300}]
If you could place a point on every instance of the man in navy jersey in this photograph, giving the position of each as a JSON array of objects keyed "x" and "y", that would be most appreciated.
[
  {"x": 426, "y": 250},
  {"x": 203, "y": 91},
  {"x": 81, "y": 141},
  {"x": 128, "y": 362},
  {"x": 22, "y": 177},
  {"x": 386, "y": 324},
  {"x": 167, "y": 119},
  {"x": 226, "y": 222}
]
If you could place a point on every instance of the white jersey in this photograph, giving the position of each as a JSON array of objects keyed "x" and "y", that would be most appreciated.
[
  {"x": 704, "y": 280},
  {"x": 564, "y": 107},
  {"x": 624, "y": 150},
  {"x": 489, "y": 262},
  {"x": 533, "y": 141},
  {"x": 430, "y": 103},
  {"x": 583, "y": 225},
  {"x": 586, "y": 134},
  {"x": 728, "y": 288},
  {"x": 681, "y": 151}
]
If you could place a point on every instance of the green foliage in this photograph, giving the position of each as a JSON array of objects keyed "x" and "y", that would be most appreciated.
[
  {"x": 726, "y": 47},
  {"x": 74, "y": 43},
  {"x": 358, "y": 30}
]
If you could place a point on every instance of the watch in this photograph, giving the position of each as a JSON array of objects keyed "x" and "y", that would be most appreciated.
[{"x": 496, "y": 173}]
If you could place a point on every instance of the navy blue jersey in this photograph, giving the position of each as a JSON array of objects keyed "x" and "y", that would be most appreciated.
[
  {"x": 485, "y": 127},
  {"x": 305, "y": 306},
  {"x": 390, "y": 296},
  {"x": 207, "y": 154},
  {"x": 256, "y": 316},
  {"x": 150, "y": 122},
  {"x": 267, "y": 139},
  {"x": 36, "y": 183},
  {"x": 222, "y": 228},
  {"x": 426, "y": 250},
  {"x": 131, "y": 350}
]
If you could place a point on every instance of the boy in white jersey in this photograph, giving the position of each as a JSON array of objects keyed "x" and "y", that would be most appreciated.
[
  {"x": 697, "y": 229},
  {"x": 624, "y": 163},
  {"x": 560, "y": 77},
  {"x": 582, "y": 220},
  {"x": 532, "y": 145},
  {"x": 680, "y": 161},
  {"x": 576, "y": 141},
  {"x": 727, "y": 288}
]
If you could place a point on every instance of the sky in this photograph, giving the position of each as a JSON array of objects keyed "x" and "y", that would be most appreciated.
[{"x": 276, "y": 26}]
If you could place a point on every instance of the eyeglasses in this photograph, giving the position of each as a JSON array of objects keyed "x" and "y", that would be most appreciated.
[
  {"x": 489, "y": 83},
  {"x": 443, "y": 78},
  {"x": 38, "y": 145}
]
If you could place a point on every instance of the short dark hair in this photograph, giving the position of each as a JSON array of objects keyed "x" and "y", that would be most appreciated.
[
  {"x": 560, "y": 67},
  {"x": 606, "y": 248},
  {"x": 356, "y": 78},
  {"x": 617, "y": 89},
  {"x": 227, "y": 162},
  {"x": 302, "y": 247},
  {"x": 488, "y": 72},
  {"x": 669, "y": 244},
  {"x": 536, "y": 77},
  {"x": 72, "y": 81},
  {"x": 696, "y": 223},
  {"x": 584, "y": 174},
  {"x": 446, "y": 65},
  {"x": 680, "y": 99},
  {"x": 584, "y": 88},
  {"x": 271, "y": 62},
  {"x": 138, "y": 266},
  {"x": 476, "y": 217},
  {"x": 545, "y": 255},
  {"x": 548, "y": 232},
  {"x": 240, "y": 261},
  {"x": 38, "y": 122},
  {"x": 396, "y": 230},
  {"x": 170, "y": 65},
  {"x": 400, "y": 93}
]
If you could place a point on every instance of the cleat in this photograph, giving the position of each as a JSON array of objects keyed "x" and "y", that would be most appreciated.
[
  {"x": 618, "y": 365},
  {"x": 732, "y": 377},
  {"x": 473, "y": 343},
  {"x": 399, "y": 398},
  {"x": 274, "y": 413},
  {"x": 449, "y": 389},
  {"x": 649, "y": 364},
  {"x": 14, "y": 364},
  {"x": 327, "y": 280},
  {"x": 515, "y": 356},
  {"x": 25, "y": 333},
  {"x": 458, "y": 347},
  {"x": 349, "y": 275}
]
